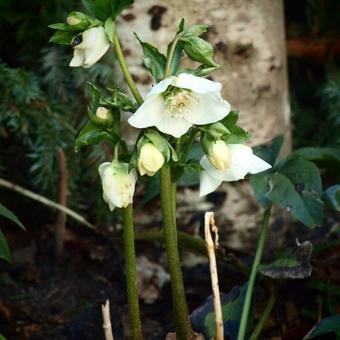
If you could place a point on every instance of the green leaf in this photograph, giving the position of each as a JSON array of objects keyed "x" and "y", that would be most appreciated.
[
  {"x": 331, "y": 324},
  {"x": 332, "y": 197},
  {"x": 319, "y": 153},
  {"x": 110, "y": 28},
  {"x": 203, "y": 318},
  {"x": 4, "y": 249},
  {"x": 89, "y": 6},
  {"x": 2, "y": 337},
  {"x": 62, "y": 37},
  {"x": 176, "y": 60},
  {"x": 269, "y": 152},
  {"x": 120, "y": 5},
  {"x": 9, "y": 215},
  {"x": 92, "y": 134},
  {"x": 103, "y": 9},
  {"x": 198, "y": 50},
  {"x": 153, "y": 60},
  {"x": 260, "y": 185},
  {"x": 121, "y": 101},
  {"x": 307, "y": 210},
  {"x": 201, "y": 71},
  {"x": 64, "y": 27},
  {"x": 196, "y": 30},
  {"x": 291, "y": 266}
]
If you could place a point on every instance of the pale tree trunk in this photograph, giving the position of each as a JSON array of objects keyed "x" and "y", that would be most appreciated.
[{"x": 249, "y": 39}]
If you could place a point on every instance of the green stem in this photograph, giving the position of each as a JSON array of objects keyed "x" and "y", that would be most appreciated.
[
  {"x": 170, "y": 56},
  {"x": 125, "y": 70},
  {"x": 180, "y": 309},
  {"x": 265, "y": 315},
  {"x": 251, "y": 282},
  {"x": 131, "y": 274}
]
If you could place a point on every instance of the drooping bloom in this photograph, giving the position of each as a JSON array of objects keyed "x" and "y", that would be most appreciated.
[
  {"x": 241, "y": 161},
  {"x": 89, "y": 47},
  {"x": 150, "y": 160},
  {"x": 118, "y": 184},
  {"x": 178, "y": 102}
]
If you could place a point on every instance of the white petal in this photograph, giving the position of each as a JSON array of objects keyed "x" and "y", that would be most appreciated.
[
  {"x": 208, "y": 184},
  {"x": 211, "y": 170},
  {"x": 149, "y": 113},
  {"x": 258, "y": 165},
  {"x": 161, "y": 86},
  {"x": 90, "y": 36},
  {"x": 94, "y": 54},
  {"x": 173, "y": 126},
  {"x": 209, "y": 108},
  {"x": 78, "y": 58},
  {"x": 196, "y": 84}
]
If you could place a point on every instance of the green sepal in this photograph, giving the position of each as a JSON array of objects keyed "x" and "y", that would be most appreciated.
[
  {"x": 62, "y": 37},
  {"x": 153, "y": 60},
  {"x": 196, "y": 30},
  {"x": 121, "y": 101},
  {"x": 198, "y": 50},
  {"x": 110, "y": 28},
  {"x": 201, "y": 71}
]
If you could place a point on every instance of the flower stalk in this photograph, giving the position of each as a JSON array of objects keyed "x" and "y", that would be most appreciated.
[
  {"x": 125, "y": 69},
  {"x": 180, "y": 309},
  {"x": 131, "y": 274},
  {"x": 254, "y": 268}
]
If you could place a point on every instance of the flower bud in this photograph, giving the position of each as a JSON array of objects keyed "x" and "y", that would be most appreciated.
[
  {"x": 150, "y": 160},
  {"x": 220, "y": 155},
  {"x": 78, "y": 19},
  {"x": 102, "y": 112},
  {"x": 118, "y": 184}
]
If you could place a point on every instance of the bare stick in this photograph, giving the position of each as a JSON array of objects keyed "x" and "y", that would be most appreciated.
[
  {"x": 63, "y": 192},
  {"x": 107, "y": 321},
  {"x": 209, "y": 222},
  {"x": 44, "y": 200}
]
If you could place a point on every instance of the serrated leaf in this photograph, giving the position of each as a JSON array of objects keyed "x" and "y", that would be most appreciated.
[
  {"x": 332, "y": 197},
  {"x": 4, "y": 249},
  {"x": 9, "y": 215},
  {"x": 153, "y": 60},
  {"x": 62, "y": 37},
  {"x": 330, "y": 324},
  {"x": 198, "y": 50},
  {"x": 291, "y": 266},
  {"x": 203, "y": 318},
  {"x": 110, "y": 28},
  {"x": 92, "y": 134}
]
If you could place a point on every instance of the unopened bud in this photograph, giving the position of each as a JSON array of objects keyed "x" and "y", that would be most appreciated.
[
  {"x": 150, "y": 160},
  {"x": 220, "y": 155},
  {"x": 78, "y": 18},
  {"x": 102, "y": 112}
]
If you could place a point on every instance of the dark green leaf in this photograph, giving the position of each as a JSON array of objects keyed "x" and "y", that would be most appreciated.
[
  {"x": 152, "y": 188},
  {"x": 203, "y": 318},
  {"x": 198, "y": 50},
  {"x": 260, "y": 185},
  {"x": 319, "y": 153},
  {"x": 64, "y": 27},
  {"x": 176, "y": 60},
  {"x": 120, "y": 5},
  {"x": 332, "y": 197},
  {"x": 181, "y": 26},
  {"x": 103, "y": 9},
  {"x": 201, "y": 71},
  {"x": 270, "y": 152},
  {"x": 89, "y": 5},
  {"x": 154, "y": 61},
  {"x": 92, "y": 134},
  {"x": 9, "y": 215},
  {"x": 291, "y": 266},
  {"x": 62, "y": 37},
  {"x": 196, "y": 30},
  {"x": 283, "y": 192},
  {"x": 331, "y": 324},
  {"x": 2, "y": 337},
  {"x": 4, "y": 249}
]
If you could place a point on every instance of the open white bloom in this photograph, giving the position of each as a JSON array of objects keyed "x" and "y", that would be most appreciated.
[
  {"x": 242, "y": 162},
  {"x": 118, "y": 184},
  {"x": 93, "y": 44},
  {"x": 178, "y": 102},
  {"x": 150, "y": 160}
]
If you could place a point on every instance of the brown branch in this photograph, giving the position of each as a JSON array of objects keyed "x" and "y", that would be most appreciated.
[{"x": 63, "y": 192}]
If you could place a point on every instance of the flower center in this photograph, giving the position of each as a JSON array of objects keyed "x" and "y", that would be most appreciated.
[{"x": 177, "y": 101}]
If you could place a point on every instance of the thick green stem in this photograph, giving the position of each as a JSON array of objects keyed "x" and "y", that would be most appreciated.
[
  {"x": 125, "y": 70},
  {"x": 131, "y": 274},
  {"x": 180, "y": 309},
  {"x": 265, "y": 315},
  {"x": 170, "y": 57},
  {"x": 251, "y": 282}
]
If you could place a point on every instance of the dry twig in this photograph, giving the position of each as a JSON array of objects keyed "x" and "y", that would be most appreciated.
[{"x": 107, "y": 321}]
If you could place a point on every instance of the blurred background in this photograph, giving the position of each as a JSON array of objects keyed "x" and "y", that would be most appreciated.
[{"x": 281, "y": 70}]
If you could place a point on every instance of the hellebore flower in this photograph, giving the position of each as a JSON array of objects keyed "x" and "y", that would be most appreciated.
[
  {"x": 118, "y": 184},
  {"x": 231, "y": 165},
  {"x": 89, "y": 47},
  {"x": 178, "y": 102},
  {"x": 150, "y": 160}
]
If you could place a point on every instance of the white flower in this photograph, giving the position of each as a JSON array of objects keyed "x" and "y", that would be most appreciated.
[
  {"x": 220, "y": 155},
  {"x": 242, "y": 162},
  {"x": 150, "y": 160},
  {"x": 94, "y": 44},
  {"x": 118, "y": 184},
  {"x": 176, "y": 103}
]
